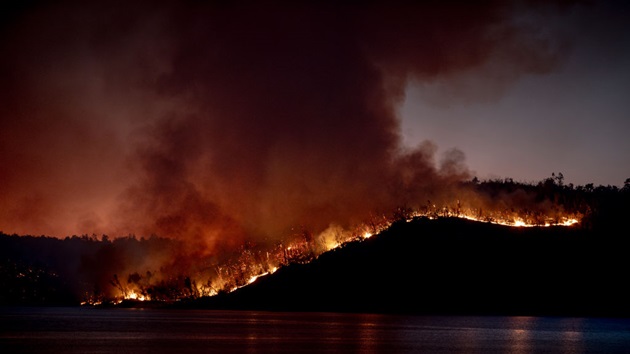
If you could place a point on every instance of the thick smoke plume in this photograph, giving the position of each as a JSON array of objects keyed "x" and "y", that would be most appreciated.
[{"x": 218, "y": 123}]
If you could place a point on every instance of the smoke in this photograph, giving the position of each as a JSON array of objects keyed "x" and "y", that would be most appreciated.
[{"x": 217, "y": 123}]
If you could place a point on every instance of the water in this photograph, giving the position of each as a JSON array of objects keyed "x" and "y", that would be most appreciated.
[{"x": 90, "y": 330}]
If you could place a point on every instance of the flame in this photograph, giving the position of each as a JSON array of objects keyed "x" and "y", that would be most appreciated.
[
  {"x": 518, "y": 222},
  {"x": 295, "y": 252},
  {"x": 133, "y": 295},
  {"x": 253, "y": 264}
]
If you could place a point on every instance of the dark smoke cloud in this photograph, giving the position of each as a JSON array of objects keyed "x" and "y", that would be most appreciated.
[{"x": 220, "y": 122}]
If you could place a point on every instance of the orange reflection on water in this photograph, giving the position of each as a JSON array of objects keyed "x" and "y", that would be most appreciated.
[{"x": 520, "y": 336}]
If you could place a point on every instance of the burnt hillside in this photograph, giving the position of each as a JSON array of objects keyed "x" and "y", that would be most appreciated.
[{"x": 453, "y": 266}]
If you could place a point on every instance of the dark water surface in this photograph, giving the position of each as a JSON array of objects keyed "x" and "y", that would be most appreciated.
[{"x": 91, "y": 330}]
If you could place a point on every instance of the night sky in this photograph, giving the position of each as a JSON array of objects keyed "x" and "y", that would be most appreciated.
[
  {"x": 572, "y": 118},
  {"x": 213, "y": 121}
]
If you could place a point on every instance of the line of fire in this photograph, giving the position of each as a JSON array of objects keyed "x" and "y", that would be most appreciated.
[
  {"x": 99, "y": 271},
  {"x": 251, "y": 262},
  {"x": 244, "y": 270}
]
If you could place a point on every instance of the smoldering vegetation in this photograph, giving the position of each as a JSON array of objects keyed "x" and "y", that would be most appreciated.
[{"x": 42, "y": 270}]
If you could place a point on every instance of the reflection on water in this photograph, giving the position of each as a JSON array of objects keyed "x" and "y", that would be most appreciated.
[
  {"x": 519, "y": 336},
  {"x": 89, "y": 330}
]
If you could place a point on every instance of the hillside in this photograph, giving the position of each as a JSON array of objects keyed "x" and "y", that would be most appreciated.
[
  {"x": 452, "y": 266},
  {"x": 442, "y": 266}
]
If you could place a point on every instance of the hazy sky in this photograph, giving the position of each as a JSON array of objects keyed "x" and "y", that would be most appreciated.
[
  {"x": 217, "y": 120},
  {"x": 573, "y": 119}
]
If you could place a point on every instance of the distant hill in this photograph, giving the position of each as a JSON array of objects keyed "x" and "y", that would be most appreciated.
[{"x": 452, "y": 266}]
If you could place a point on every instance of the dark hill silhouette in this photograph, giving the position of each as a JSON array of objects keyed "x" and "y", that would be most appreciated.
[{"x": 452, "y": 266}]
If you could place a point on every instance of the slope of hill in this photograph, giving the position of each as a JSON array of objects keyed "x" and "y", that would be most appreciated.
[{"x": 452, "y": 266}]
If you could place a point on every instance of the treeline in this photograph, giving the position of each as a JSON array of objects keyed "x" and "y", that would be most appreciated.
[{"x": 601, "y": 207}]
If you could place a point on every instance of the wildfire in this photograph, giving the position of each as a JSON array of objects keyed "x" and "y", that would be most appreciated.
[
  {"x": 253, "y": 278},
  {"x": 517, "y": 222},
  {"x": 133, "y": 295},
  {"x": 253, "y": 264}
]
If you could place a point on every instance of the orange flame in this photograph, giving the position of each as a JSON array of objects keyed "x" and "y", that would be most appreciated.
[{"x": 250, "y": 266}]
